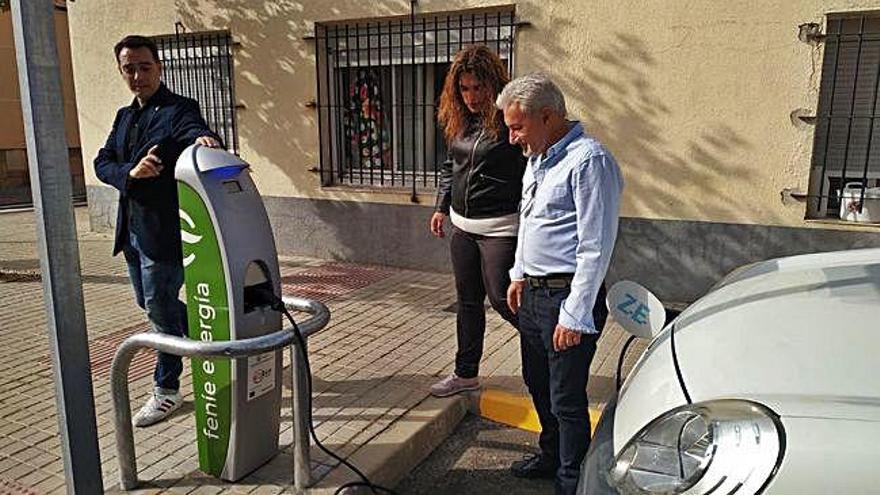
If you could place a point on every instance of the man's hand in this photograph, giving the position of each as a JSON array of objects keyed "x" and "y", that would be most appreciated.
[
  {"x": 437, "y": 224},
  {"x": 563, "y": 338},
  {"x": 149, "y": 166},
  {"x": 208, "y": 141},
  {"x": 514, "y": 294}
]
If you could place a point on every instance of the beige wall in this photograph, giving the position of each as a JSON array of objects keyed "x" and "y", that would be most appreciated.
[
  {"x": 94, "y": 28},
  {"x": 11, "y": 123},
  {"x": 692, "y": 97}
]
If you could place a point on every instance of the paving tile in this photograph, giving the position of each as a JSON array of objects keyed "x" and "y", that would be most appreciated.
[
  {"x": 34, "y": 478},
  {"x": 49, "y": 484},
  {"x": 18, "y": 471}
]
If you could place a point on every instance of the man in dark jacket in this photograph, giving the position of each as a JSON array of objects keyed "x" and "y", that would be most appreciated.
[{"x": 138, "y": 160}]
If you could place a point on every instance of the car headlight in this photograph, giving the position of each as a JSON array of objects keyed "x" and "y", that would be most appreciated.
[{"x": 710, "y": 447}]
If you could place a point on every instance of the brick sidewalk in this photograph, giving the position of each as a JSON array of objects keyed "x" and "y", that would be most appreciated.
[{"x": 390, "y": 336}]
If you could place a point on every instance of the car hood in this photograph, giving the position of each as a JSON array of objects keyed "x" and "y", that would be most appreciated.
[{"x": 800, "y": 335}]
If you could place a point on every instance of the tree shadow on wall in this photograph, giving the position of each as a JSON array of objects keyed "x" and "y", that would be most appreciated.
[{"x": 669, "y": 174}]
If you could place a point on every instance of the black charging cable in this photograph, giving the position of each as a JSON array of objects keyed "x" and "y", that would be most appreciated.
[
  {"x": 278, "y": 305},
  {"x": 620, "y": 359},
  {"x": 671, "y": 314}
]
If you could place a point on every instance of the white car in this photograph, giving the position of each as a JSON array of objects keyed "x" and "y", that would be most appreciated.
[{"x": 770, "y": 383}]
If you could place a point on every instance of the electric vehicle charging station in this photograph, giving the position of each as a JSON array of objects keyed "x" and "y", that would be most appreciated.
[
  {"x": 230, "y": 262},
  {"x": 234, "y": 309}
]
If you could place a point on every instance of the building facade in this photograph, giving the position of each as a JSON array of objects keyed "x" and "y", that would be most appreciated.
[
  {"x": 14, "y": 180},
  {"x": 738, "y": 125}
]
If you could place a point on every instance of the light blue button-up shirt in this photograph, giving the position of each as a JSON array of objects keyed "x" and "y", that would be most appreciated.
[{"x": 568, "y": 220}]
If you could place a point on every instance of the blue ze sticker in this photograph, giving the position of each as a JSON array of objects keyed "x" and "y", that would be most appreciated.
[
  {"x": 636, "y": 309},
  {"x": 641, "y": 312}
]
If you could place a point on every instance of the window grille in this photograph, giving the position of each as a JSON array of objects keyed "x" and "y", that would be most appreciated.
[
  {"x": 846, "y": 146},
  {"x": 378, "y": 84},
  {"x": 199, "y": 66}
]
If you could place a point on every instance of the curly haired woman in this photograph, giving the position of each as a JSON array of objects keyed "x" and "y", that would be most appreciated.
[{"x": 480, "y": 189}]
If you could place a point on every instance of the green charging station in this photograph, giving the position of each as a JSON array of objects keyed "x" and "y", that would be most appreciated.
[{"x": 229, "y": 256}]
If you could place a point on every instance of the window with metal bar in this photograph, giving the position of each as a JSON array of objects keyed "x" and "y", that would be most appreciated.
[
  {"x": 199, "y": 66},
  {"x": 378, "y": 84},
  {"x": 846, "y": 147}
]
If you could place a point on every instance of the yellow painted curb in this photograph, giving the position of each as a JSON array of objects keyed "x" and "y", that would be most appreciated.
[{"x": 516, "y": 410}]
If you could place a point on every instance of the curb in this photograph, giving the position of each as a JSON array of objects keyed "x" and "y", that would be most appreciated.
[
  {"x": 514, "y": 410},
  {"x": 393, "y": 454}
]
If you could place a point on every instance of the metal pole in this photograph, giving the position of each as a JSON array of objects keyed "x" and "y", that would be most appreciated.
[
  {"x": 122, "y": 415},
  {"x": 302, "y": 471},
  {"x": 42, "y": 106}
]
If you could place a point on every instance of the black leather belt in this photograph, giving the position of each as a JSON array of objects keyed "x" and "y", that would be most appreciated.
[{"x": 561, "y": 281}]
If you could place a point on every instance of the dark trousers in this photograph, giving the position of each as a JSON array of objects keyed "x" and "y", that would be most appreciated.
[
  {"x": 156, "y": 284},
  {"x": 480, "y": 265},
  {"x": 557, "y": 381}
]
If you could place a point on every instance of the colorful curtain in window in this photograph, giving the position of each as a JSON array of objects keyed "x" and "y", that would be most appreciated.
[{"x": 366, "y": 124}]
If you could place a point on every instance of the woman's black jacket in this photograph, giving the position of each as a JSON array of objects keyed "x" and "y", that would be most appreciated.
[{"x": 482, "y": 176}]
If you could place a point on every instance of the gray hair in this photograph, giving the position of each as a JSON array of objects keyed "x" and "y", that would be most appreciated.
[{"x": 532, "y": 92}]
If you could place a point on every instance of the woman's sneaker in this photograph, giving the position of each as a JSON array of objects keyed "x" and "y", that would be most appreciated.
[
  {"x": 454, "y": 384},
  {"x": 158, "y": 407}
]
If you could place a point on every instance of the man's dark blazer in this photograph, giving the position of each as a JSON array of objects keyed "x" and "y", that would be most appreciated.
[{"x": 148, "y": 207}]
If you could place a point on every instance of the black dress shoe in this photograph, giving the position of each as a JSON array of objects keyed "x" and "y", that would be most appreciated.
[{"x": 534, "y": 466}]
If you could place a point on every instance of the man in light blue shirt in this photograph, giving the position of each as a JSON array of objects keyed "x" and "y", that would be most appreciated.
[{"x": 568, "y": 226}]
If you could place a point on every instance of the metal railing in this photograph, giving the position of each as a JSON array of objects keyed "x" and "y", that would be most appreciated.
[
  {"x": 200, "y": 66},
  {"x": 234, "y": 349},
  {"x": 846, "y": 147},
  {"x": 378, "y": 83}
]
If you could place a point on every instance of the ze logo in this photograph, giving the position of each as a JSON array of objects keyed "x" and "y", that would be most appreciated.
[
  {"x": 188, "y": 237},
  {"x": 633, "y": 308}
]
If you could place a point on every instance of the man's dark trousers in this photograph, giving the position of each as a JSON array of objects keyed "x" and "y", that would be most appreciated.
[{"x": 557, "y": 381}]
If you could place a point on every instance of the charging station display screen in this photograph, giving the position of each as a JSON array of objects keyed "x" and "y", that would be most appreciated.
[{"x": 232, "y": 186}]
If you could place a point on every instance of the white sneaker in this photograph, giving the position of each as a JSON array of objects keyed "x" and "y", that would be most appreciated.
[{"x": 158, "y": 407}]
